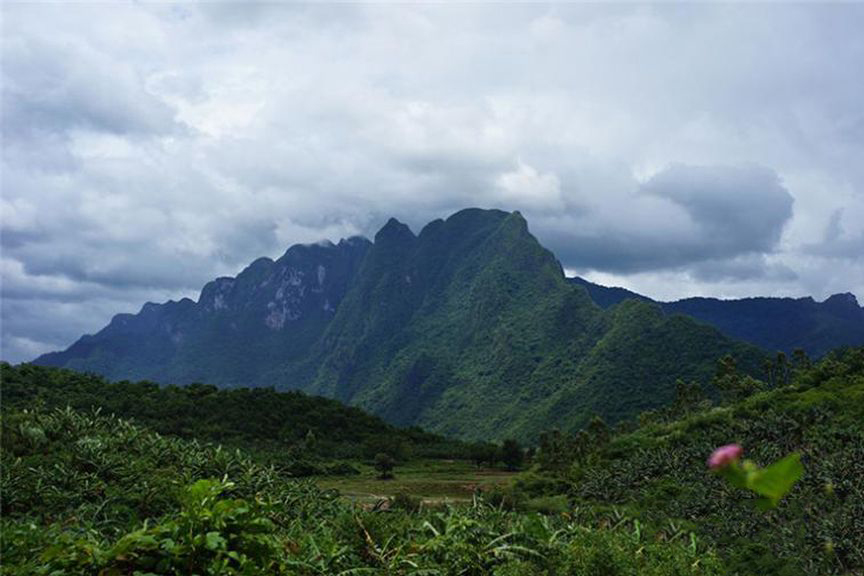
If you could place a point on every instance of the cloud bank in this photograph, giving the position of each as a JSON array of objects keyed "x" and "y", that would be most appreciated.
[{"x": 676, "y": 150}]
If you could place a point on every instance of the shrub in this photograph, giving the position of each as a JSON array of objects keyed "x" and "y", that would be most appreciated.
[{"x": 407, "y": 502}]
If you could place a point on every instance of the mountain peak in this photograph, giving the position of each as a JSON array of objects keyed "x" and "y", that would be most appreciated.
[
  {"x": 477, "y": 217},
  {"x": 354, "y": 241},
  {"x": 394, "y": 231},
  {"x": 842, "y": 302}
]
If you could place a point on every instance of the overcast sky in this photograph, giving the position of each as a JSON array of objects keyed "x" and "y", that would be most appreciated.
[{"x": 673, "y": 150}]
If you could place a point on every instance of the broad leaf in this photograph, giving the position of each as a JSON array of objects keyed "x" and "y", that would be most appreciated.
[{"x": 775, "y": 481}]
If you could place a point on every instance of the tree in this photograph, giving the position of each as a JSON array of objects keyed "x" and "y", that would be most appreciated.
[
  {"x": 511, "y": 454},
  {"x": 687, "y": 396},
  {"x": 768, "y": 371},
  {"x": 484, "y": 453},
  {"x": 598, "y": 432},
  {"x": 800, "y": 359},
  {"x": 782, "y": 369},
  {"x": 731, "y": 383},
  {"x": 556, "y": 450},
  {"x": 384, "y": 464}
]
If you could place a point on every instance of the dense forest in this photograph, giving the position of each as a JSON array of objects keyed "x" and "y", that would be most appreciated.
[
  {"x": 783, "y": 324},
  {"x": 87, "y": 492},
  {"x": 301, "y": 434}
]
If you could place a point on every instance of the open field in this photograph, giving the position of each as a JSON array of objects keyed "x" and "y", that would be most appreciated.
[{"x": 435, "y": 481}]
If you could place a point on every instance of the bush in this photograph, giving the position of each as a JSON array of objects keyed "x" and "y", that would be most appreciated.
[
  {"x": 547, "y": 505},
  {"x": 407, "y": 502},
  {"x": 341, "y": 469},
  {"x": 209, "y": 535}
]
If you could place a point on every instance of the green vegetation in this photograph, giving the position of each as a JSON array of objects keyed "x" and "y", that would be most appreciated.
[
  {"x": 784, "y": 324},
  {"x": 303, "y": 435},
  {"x": 657, "y": 473},
  {"x": 85, "y": 492},
  {"x": 92, "y": 494}
]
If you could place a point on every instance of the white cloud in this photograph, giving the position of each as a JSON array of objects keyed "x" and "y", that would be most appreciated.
[
  {"x": 525, "y": 187},
  {"x": 148, "y": 148}
]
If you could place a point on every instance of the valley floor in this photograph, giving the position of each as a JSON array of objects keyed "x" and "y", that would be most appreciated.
[{"x": 432, "y": 481}]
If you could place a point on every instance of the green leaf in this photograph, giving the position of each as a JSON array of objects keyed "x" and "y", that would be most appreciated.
[
  {"x": 168, "y": 544},
  {"x": 735, "y": 475},
  {"x": 775, "y": 481},
  {"x": 214, "y": 540}
]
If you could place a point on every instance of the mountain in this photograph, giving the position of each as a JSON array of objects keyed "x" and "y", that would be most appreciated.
[
  {"x": 607, "y": 296},
  {"x": 272, "y": 311},
  {"x": 770, "y": 323},
  {"x": 468, "y": 328}
]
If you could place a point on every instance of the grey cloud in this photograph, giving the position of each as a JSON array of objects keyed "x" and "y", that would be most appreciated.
[
  {"x": 54, "y": 86},
  {"x": 45, "y": 312},
  {"x": 141, "y": 262},
  {"x": 149, "y": 148},
  {"x": 34, "y": 326},
  {"x": 837, "y": 242},
  {"x": 737, "y": 209},
  {"x": 743, "y": 268},
  {"x": 851, "y": 248},
  {"x": 706, "y": 214}
]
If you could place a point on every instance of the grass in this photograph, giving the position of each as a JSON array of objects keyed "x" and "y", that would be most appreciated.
[{"x": 433, "y": 481}]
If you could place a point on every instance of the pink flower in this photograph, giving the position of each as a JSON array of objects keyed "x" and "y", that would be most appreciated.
[{"x": 725, "y": 455}]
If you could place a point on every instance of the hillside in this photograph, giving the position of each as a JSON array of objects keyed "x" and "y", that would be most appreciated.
[
  {"x": 468, "y": 328},
  {"x": 657, "y": 472},
  {"x": 771, "y": 323},
  {"x": 299, "y": 433}
]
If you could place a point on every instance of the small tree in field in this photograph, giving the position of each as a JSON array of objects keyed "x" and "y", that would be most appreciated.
[
  {"x": 384, "y": 464},
  {"x": 512, "y": 454},
  {"x": 484, "y": 453}
]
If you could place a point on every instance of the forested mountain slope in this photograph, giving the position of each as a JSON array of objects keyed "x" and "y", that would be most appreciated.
[
  {"x": 272, "y": 312},
  {"x": 468, "y": 328},
  {"x": 774, "y": 324}
]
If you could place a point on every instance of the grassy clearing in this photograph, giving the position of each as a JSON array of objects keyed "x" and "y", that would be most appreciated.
[{"x": 434, "y": 481}]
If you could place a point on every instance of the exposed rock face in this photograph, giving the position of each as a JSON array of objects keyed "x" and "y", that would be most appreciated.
[{"x": 272, "y": 307}]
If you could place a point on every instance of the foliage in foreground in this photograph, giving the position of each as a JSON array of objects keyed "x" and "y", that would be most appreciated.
[
  {"x": 658, "y": 472},
  {"x": 87, "y": 494}
]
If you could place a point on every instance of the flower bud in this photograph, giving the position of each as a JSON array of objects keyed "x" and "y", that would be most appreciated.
[{"x": 724, "y": 456}]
